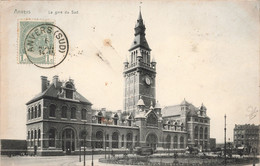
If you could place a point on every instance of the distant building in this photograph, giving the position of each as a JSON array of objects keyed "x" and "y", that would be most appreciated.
[
  {"x": 247, "y": 136},
  {"x": 60, "y": 119},
  {"x": 212, "y": 143}
]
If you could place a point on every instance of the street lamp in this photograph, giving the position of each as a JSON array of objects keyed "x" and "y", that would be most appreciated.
[
  {"x": 225, "y": 148},
  {"x": 106, "y": 142},
  {"x": 92, "y": 163},
  {"x": 84, "y": 143}
]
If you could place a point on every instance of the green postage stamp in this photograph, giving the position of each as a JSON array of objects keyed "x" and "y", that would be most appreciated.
[{"x": 41, "y": 43}]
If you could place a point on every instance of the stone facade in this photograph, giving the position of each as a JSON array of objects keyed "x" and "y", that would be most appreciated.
[{"x": 247, "y": 136}]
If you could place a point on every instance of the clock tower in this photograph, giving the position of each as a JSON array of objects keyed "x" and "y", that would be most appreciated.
[{"x": 139, "y": 71}]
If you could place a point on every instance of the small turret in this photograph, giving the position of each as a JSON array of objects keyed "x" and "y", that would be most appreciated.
[
  {"x": 126, "y": 63},
  {"x": 157, "y": 108},
  {"x": 151, "y": 107},
  {"x": 153, "y": 63},
  {"x": 140, "y": 104}
]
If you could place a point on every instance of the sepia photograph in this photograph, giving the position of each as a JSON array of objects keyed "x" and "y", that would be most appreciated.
[{"x": 160, "y": 83}]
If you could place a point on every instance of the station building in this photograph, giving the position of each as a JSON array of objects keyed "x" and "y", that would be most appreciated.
[{"x": 61, "y": 121}]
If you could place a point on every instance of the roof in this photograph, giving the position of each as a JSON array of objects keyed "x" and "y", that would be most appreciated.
[
  {"x": 52, "y": 92},
  {"x": 184, "y": 102},
  {"x": 140, "y": 102},
  {"x": 175, "y": 110},
  {"x": 139, "y": 40},
  {"x": 157, "y": 105}
]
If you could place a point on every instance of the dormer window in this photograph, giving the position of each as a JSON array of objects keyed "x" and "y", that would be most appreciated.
[
  {"x": 115, "y": 119},
  {"x": 69, "y": 91}
]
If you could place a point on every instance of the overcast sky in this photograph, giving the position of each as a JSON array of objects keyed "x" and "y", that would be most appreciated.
[{"x": 206, "y": 52}]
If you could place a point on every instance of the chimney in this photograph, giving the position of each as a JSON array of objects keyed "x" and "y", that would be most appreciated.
[
  {"x": 55, "y": 80},
  {"x": 44, "y": 83}
]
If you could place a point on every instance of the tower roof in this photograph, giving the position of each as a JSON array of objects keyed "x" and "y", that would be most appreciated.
[
  {"x": 140, "y": 102},
  {"x": 184, "y": 102},
  {"x": 140, "y": 40},
  {"x": 157, "y": 105}
]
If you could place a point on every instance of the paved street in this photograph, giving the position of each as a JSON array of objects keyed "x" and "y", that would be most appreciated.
[
  {"x": 48, "y": 161},
  {"x": 54, "y": 161}
]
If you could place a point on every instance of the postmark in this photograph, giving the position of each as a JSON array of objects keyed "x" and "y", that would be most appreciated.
[{"x": 42, "y": 43}]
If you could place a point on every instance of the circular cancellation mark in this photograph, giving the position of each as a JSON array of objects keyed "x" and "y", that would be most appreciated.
[{"x": 46, "y": 46}]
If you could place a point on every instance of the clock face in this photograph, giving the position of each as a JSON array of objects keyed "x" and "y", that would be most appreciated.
[{"x": 147, "y": 81}]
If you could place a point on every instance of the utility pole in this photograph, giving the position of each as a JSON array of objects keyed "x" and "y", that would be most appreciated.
[
  {"x": 225, "y": 148},
  {"x": 106, "y": 142},
  {"x": 80, "y": 152},
  {"x": 92, "y": 163},
  {"x": 85, "y": 143}
]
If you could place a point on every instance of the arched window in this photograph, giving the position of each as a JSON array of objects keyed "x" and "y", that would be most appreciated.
[
  {"x": 115, "y": 119},
  {"x": 28, "y": 136},
  {"x": 73, "y": 113},
  {"x": 32, "y": 111},
  {"x": 35, "y": 135},
  {"x": 196, "y": 132},
  {"x": 32, "y": 138},
  {"x": 64, "y": 111},
  {"x": 168, "y": 142},
  {"x": 201, "y": 133},
  {"x": 100, "y": 116},
  {"x": 99, "y": 139},
  {"x": 115, "y": 139},
  {"x": 84, "y": 114},
  {"x": 129, "y": 139},
  {"x": 52, "y": 110},
  {"x": 130, "y": 118},
  {"x": 35, "y": 113},
  {"x": 169, "y": 125},
  {"x": 182, "y": 127},
  {"x": 107, "y": 141},
  {"x": 123, "y": 140},
  {"x": 39, "y": 110},
  {"x": 175, "y": 126},
  {"x": 175, "y": 142},
  {"x": 83, "y": 136},
  {"x": 69, "y": 91},
  {"x": 181, "y": 142},
  {"x": 29, "y": 114},
  {"x": 152, "y": 120},
  {"x": 39, "y": 137},
  {"x": 206, "y": 133},
  {"x": 52, "y": 138}
]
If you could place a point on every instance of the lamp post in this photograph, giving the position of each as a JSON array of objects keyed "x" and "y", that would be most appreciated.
[
  {"x": 84, "y": 143},
  {"x": 92, "y": 163},
  {"x": 225, "y": 148},
  {"x": 106, "y": 142},
  {"x": 79, "y": 153}
]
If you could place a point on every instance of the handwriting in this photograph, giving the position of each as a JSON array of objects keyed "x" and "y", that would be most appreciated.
[{"x": 252, "y": 112}]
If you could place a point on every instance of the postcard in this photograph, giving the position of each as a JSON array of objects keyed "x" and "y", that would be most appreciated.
[{"x": 129, "y": 82}]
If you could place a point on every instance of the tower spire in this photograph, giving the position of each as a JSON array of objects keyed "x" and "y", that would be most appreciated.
[
  {"x": 140, "y": 40},
  {"x": 140, "y": 13}
]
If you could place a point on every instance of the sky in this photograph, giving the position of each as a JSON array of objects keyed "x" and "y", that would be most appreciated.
[{"x": 206, "y": 52}]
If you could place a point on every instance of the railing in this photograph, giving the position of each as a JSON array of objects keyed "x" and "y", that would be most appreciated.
[{"x": 140, "y": 64}]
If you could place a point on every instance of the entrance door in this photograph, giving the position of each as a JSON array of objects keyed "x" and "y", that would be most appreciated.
[
  {"x": 151, "y": 140},
  {"x": 68, "y": 147},
  {"x": 68, "y": 141}
]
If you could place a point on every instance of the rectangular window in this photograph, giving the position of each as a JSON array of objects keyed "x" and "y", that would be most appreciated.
[
  {"x": 73, "y": 113},
  {"x": 122, "y": 142},
  {"x": 83, "y": 114}
]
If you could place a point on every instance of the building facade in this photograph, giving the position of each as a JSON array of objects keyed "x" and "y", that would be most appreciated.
[
  {"x": 61, "y": 121},
  {"x": 247, "y": 136}
]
